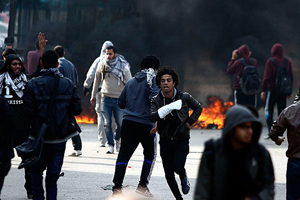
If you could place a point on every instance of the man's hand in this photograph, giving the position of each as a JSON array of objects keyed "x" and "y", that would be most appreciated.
[
  {"x": 86, "y": 91},
  {"x": 93, "y": 100},
  {"x": 234, "y": 55},
  {"x": 288, "y": 97},
  {"x": 42, "y": 43},
  {"x": 153, "y": 130},
  {"x": 279, "y": 140},
  {"x": 263, "y": 96}
]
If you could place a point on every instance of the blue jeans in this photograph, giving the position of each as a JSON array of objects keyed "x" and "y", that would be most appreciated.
[
  {"x": 52, "y": 158},
  {"x": 109, "y": 107},
  {"x": 293, "y": 179}
]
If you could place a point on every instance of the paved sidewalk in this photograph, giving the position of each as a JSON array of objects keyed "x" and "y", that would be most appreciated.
[{"x": 85, "y": 176}]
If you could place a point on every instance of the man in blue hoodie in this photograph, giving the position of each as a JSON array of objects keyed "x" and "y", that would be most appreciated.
[{"x": 136, "y": 126}]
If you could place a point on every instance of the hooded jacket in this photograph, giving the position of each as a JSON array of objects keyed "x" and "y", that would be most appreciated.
[
  {"x": 92, "y": 70},
  {"x": 135, "y": 98},
  {"x": 8, "y": 60},
  {"x": 268, "y": 83},
  {"x": 236, "y": 67},
  {"x": 163, "y": 125},
  {"x": 289, "y": 120},
  {"x": 254, "y": 169}
]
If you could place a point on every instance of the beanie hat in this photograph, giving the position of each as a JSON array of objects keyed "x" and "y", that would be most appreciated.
[
  {"x": 150, "y": 61},
  {"x": 8, "y": 61}
]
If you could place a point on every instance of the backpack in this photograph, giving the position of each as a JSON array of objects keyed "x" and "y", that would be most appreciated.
[
  {"x": 249, "y": 79},
  {"x": 283, "y": 82}
]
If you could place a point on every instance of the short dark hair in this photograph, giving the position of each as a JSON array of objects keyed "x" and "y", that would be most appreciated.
[
  {"x": 59, "y": 50},
  {"x": 8, "y": 52},
  {"x": 167, "y": 70},
  {"x": 113, "y": 48},
  {"x": 150, "y": 61},
  {"x": 50, "y": 59}
]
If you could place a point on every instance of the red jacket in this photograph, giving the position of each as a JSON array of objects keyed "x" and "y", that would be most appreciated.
[
  {"x": 236, "y": 67},
  {"x": 269, "y": 79}
]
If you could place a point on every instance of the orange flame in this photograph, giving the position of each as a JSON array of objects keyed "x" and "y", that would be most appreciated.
[
  {"x": 88, "y": 116},
  {"x": 85, "y": 119},
  {"x": 213, "y": 115}
]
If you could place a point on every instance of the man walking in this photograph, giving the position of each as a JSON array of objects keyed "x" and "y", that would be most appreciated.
[
  {"x": 289, "y": 119},
  {"x": 271, "y": 83},
  {"x": 113, "y": 73},
  {"x": 90, "y": 76},
  {"x": 236, "y": 166},
  {"x": 12, "y": 84},
  {"x": 68, "y": 70},
  {"x": 38, "y": 93},
  {"x": 136, "y": 125},
  {"x": 170, "y": 109}
]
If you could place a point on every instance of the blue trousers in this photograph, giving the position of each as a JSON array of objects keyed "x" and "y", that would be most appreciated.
[
  {"x": 51, "y": 159},
  {"x": 293, "y": 179},
  {"x": 109, "y": 107}
]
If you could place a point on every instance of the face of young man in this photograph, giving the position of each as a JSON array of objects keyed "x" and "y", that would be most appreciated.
[
  {"x": 167, "y": 84},
  {"x": 242, "y": 134},
  {"x": 110, "y": 55},
  {"x": 15, "y": 68}
]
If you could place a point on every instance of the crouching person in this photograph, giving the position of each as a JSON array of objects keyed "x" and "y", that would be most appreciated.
[
  {"x": 65, "y": 104},
  {"x": 236, "y": 166}
]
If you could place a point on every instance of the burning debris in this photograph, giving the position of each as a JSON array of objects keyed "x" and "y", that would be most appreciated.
[
  {"x": 213, "y": 115},
  {"x": 88, "y": 116}
]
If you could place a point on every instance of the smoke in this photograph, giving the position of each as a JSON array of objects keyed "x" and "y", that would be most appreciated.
[{"x": 196, "y": 37}]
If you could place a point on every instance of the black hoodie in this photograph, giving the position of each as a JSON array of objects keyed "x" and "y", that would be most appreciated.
[{"x": 228, "y": 174}]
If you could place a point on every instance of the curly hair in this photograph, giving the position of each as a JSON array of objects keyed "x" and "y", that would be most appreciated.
[{"x": 167, "y": 70}]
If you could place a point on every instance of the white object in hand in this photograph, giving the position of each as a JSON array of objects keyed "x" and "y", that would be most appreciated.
[{"x": 165, "y": 110}]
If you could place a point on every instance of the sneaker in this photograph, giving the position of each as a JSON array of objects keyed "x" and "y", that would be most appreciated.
[
  {"x": 76, "y": 153},
  {"x": 185, "y": 185},
  {"x": 266, "y": 137},
  {"x": 118, "y": 145},
  {"x": 117, "y": 193},
  {"x": 110, "y": 149},
  {"x": 144, "y": 190}
]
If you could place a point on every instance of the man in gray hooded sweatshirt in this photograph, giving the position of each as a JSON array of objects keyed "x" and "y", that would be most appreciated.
[{"x": 236, "y": 166}]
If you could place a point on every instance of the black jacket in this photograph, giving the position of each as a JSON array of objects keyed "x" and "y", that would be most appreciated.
[
  {"x": 66, "y": 104},
  {"x": 182, "y": 131}
]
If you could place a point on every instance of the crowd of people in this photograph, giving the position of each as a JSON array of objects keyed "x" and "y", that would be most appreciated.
[{"x": 235, "y": 166}]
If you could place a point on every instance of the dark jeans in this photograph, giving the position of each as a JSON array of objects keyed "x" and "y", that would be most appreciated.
[
  {"x": 273, "y": 98},
  {"x": 4, "y": 169},
  {"x": 51, "y": 159},
  {"x": 243, "y": 99},
  {"x": 133, "y": 133},
  {"x": 173, "y": 154},
  {"x": 293, "y": 179},
  {"x": 76, "y": 142}
]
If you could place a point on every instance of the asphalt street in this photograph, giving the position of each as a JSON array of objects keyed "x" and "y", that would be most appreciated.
[{"x": 90, "y": 176}]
